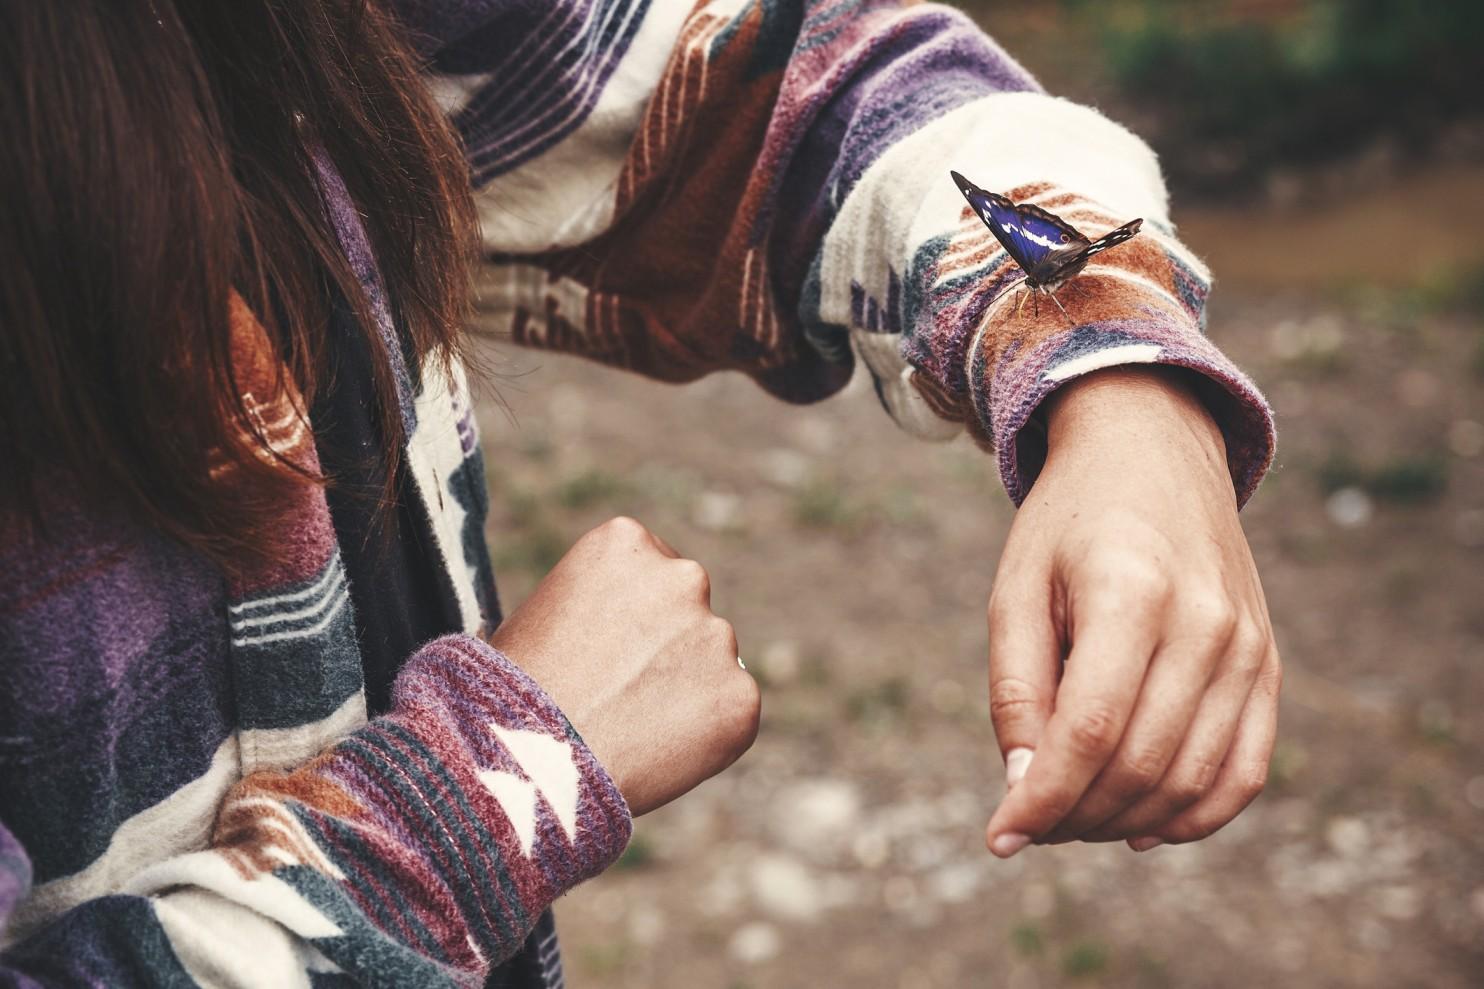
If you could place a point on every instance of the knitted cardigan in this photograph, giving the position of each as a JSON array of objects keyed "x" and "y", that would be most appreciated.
[{"x": 190, "y": 788}]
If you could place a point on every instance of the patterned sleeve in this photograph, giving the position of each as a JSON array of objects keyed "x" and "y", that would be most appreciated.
[
  {"x": 418, "y": 850},
  {"x": 762, "y": 185}
]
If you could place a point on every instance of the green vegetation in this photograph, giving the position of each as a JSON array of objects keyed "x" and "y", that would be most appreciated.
[
  {"x": 1289, "y": 760},
  {"x": 901, "y": 504},
  {"x": 1027, "y": 940},
  {"x": 1405, "y": 479},
  {"x": 1152, "y": 972},
  {"x": 1085, "y": 960},
  {"x": 1435, "y": 724},
  {"x": 1227, "y": 90},
  {"x": 825, "y": 505},
  {"x": 1240, "y": 93},
  {"x": 590, "y": 487},
  {"x": 638, "y": 855},
  {"x": 533, "y": 549},
  {"x": 606, "y": 959},
  {"x": 1450, "y": 289},
  {"x": 879, "y": 703}
]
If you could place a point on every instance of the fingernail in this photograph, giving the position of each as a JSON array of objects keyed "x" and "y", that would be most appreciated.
[
  {"x": 1009, "y": 843},
  {"x": 1145, "y": 843},
  {"x": 1017, "y": 761}
]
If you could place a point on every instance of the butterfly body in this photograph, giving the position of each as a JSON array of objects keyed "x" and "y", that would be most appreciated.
[{"x": 1047, "y": 248}]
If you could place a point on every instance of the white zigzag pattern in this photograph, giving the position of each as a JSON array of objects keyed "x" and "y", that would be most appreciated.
[{"x": 552, "y": 773}]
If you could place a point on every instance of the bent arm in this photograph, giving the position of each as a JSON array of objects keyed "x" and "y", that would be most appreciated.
[
  {"x": 419, "y": 850},
  {"x": 764, "y": 188}
]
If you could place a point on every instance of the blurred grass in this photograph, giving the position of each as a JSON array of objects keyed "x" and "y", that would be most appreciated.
[
  {"x": 1027, "y": 940},
  {"x": 1452, "y": 289},
  {"x": 591, "y": 487},
  {"x": 879, "y": 704},
  {"x": 1404, "y": 479},
  {"x": 1305, "y": 83},
  {"x": 1085, "y": 959},
  {"x": 824, "y": 504},
  {"x": 604, "y": 960},
  {"x": 639, "y": 854}
]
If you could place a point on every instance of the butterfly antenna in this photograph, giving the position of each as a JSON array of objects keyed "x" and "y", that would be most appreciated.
[{"x": 1063, "y": 308}]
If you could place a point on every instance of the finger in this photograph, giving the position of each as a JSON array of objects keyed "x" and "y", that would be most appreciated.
[
  {"x": 1194, "y": 770},
  {"x": 693, "y": 578},
  {"x": 1178, "y": 678},
  {"x": 1110, "y": 653},
  {"x": 1024, "y": 666},
  {"x": 1243, "y": 775}
]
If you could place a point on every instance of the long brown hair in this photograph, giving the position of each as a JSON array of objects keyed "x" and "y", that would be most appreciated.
[{"x": 158, "y": 156}]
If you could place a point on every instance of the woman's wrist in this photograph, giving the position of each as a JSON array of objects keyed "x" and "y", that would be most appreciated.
[{"x": 1147, "y": 404}]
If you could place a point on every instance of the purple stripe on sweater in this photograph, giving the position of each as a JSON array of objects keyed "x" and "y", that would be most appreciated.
[
  {"x": 534, "y": 104},
  {"x": 926, "y": 65}
]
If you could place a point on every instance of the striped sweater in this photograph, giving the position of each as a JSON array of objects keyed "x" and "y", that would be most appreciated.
[{"x": 190, "y": 787}]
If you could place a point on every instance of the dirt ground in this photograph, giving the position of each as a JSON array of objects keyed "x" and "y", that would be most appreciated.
[{"x": 846, "y": 848}]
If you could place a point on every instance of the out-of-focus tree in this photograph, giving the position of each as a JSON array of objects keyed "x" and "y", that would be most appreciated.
[
  {"x": 1227, "y": 90},
  {"x": 1241, "y": 86}
]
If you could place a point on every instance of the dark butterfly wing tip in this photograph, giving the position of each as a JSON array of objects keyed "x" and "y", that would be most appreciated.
[
  {"x": 1134, "y": 226},
  {"x": 964, "y": 185}
]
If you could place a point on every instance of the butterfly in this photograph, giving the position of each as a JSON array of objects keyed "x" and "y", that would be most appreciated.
[{"x": 1048, "y": 249}]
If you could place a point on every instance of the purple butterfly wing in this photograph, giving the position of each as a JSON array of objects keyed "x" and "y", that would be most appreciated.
[
  {"x": 1048, "y": 249},
  {"x": 1061, "y": 246},
  {"x": 1038, "y": 241}
]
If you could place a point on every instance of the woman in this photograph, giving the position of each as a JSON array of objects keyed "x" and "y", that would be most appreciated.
[{"x": 260, "y": 721}]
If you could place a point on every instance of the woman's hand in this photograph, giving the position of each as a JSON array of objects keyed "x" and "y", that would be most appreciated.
[
  {"x": 1127, "y": 560},
  {"x": 622, "y": 636}
]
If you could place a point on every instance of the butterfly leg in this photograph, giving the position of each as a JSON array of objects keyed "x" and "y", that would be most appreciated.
[
  {"x": 1019, "y": 301},
  {"x": 1036, "y": 304},
  {"x": 1063, "y": 308}
]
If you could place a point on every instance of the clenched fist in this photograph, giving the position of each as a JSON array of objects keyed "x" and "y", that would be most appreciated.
[
  {"x": 1133, "y": 674},
  {"x": 622, "y": 636}
]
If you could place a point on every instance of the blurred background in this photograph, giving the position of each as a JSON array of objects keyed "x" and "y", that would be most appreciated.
[{"x": 1327, "y": 158}]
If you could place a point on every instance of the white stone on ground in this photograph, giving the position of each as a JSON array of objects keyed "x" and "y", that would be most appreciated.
[
  {"x": 646, "y": 924},
  {"x": 1349, "y": 508},
  {"x": 784, "y": 887},
  {"x": 717, "y": 511},
  {"x": 1319, "y": 336},
  {"x": 780, "y": 662},
  {"x": 754, "y": 943},
  {"x": 817, "y": 815},
  {"x": 955, "y": 883},
  {"x": 784, "y": 467},
  {"x": 1348, "y": 837}
]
